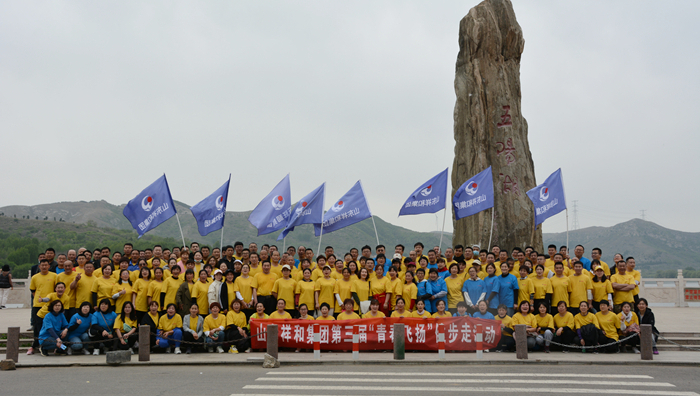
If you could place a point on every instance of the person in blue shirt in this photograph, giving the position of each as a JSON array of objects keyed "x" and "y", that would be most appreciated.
[
  {"x": 54, "y": 330},
  {"x": 424, "y": 291},
  {"x": 483, "y": 312},
  {"x": 474, "y": 290},
  {"x": 461, "y": 309},
  {"x": 78, "y": 328},
  {"x": 102, "y": 327},
  {"x": 578, "y": 252},
  {"x": 507, "y": 289},
  {"x": 438, "y": 289},
  {"x": 491, "y": 282}
]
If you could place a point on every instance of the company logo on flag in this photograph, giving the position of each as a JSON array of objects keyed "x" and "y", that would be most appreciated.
[
  {"x": 548, "y": 198},
  {"x": 309, "y": 210},
  {"x": 351, "y": 208},
  {"x": 475, "y": 195},
  {"x": 274, "y": 210},
  {"x": 421, "y": 200},
  {"x": 152, "y": 207},
  {"x": 210, "y": 213}
]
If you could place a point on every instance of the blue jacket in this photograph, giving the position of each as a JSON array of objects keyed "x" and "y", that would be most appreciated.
[
  {"x": 492, "y": 286},
  {"x": 475, "y": 288},
  {"x": 106, "y": 323},
  {"x": 438, "y": 289},
  {"x": 507, "y": 289},
  {"x": 79, "y": 329},
  {"x": 478, "y": 315},
  {"x": 424, "y": 289},
  {"x": 54, "y": 323}
]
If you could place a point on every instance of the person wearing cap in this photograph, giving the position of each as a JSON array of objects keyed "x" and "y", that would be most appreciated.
[
  {"x": 480, "y": 269},
  {"x": 602, "y": 287},
  {"x": 281, "y": 313},
  {"x": 284, "y": 288},
  {"x": 262, "y": 287},
  {"x": 324, "y": 289},
  {"x": 214, "y": 326},
  {"x": 214, "y": 292}
]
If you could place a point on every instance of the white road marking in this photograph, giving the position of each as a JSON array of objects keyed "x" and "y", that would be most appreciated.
[
  {"x": 405, "y": 374},
  {"x": 434, "y": 390},
  {"x": 487, "y": 381}
]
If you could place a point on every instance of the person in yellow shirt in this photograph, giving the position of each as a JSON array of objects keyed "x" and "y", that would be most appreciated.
[
  {"x": 400, "y": 311},
  {"x": 374, "y": 311},
  {"x": 602, "y": 288},
  {"x": 506, "y": 343},
  {"x": 214, "y": 326},
  {"x": 122, "y": 291},
  {"x": 629, "y": 324},
  {"x": 262, "y": 287},
  {"x": 352, "y": 266},
  {"x": 139, "y": 293},
  {"x": 304, "y": 312},
  {"x": 560, "y": 287},
  {"x": 155, "y": 287},
  {"x": 587, "y": 327},
  {"x": 623, "y": 287},
  {"x": 200, "y": 289},
  {"x": 324, "y": 289},
  {"x": 304, "y": 291},
  {"x": 348, "y": 313},
  {"x": 545, "y": 326},
  {"x": 343, "y": 291},
  {"x": 125, "y": 326},
  {"x": 563, "y": 326},
  {"x": 523, "y": 316},
  {"x": 237, "y": 328},
  {"x": 596, "y": 254},
  {"x": 609, "y": 326},
  {"x": 410, "y": 291},
  {"x": 280, "y": 313},
  {"x": 454, "y": 284},
  {"x": 580, "y": 288},
  {"x": 284, "y": 289},
  {"x": 102, "y": 287},
  {"x": 419, "y": 311},
  {"x": 259, "y": 312},
  {"x": 67, "y": 277},
  {"x": 168, "y": 290},
  {"x": 325, "y": 312},
  {"x": 170, "y": 330},
  {"x": 193, "y": 327},
  {"x": 58, "y": 294},
  {"x": 631, "y": 264},
  {"x": 441, "y": 311},
  {"x": 526, "y": 290}
]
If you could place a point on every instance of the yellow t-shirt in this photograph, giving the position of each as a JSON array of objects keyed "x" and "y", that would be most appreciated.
[
  {"x": 169, "y": 287},
  {"x": 154, "y": 289},
  {"x": 638, "y": 278},
  {"x": 306, "y": 290},
  {"x": 128, "y": 290},
  {"x": 410, "y": 292},
  {"x": 316, "y": 274},
  {"x": 542, "y": 287},
  {"x": 212, "y": 324},
  {"x": 361, "y": 288},
  {"x": 118, "y": 324},
  {"x": 609, "y": 323},
  {"x": 454, "y": 291},
  {"x": 566, "y": 321},
  {"x": 336, "y": 275},
  {"x": 277, "y": 270},
  {"x": 285, "y": 289},
  {"x": 67, "y": 280},
  {"x": 264, "y": 283},
  {"x": 236, "y": 318},
  {"x": 601, "y": 290},
  {"x": 42, "y": 285},
  {"x": 167, "y": 324},
  {"x": 525, "y": 289},
  {"x": 545, "y": 322},
  {"x": 578, "y": 289},
  {"x": 244, "y": 286},
  {"x": 378, "y": 286},
  {"x": 623, "y": 296},
  {"x": 141, "y": 290},
  {"x": 445, "y": 315},
  {"x": 424, "y": 315},
  {"x": 103, "y": 288},
  {"x": 506, "y": 321},
  {"x": 369, "y": 315},
  {"x": 560, "y": 289},
  {"x": 344, "y": 289},
  {"x": 65, "y": 298},
  {"x": 519, "y": 319},
  {"x": 254, "y": 271},
  {"x": 344, "y": 316},
  {"x": 199, "y": 293},
  {"x": 580, "y": 320},
  {"x": 405, "y": 314},
  {"x": 329, "y": 317},
  {"x": 325, "y": 288}
]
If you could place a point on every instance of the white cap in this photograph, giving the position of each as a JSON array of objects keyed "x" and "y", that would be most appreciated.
[
  {"x": 286, "y": 267},
  {"x": 397, "y": 255}
]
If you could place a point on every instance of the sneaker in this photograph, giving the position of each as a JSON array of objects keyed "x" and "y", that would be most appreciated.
[
  {"x": 43, "y": 351},
  {"x": 85, "y": 351},
  {"x": 247, "y": 350},
  {"x": 219, "y": 349},
  {"x": 69, "y": 351},
  {"x": 635, "y": 350},
  {"x": 31, "y": 328},
  {"x": 167, "y": 350},
  {"x": 136, "y": 345},
  {"x": 210, "y": 349},
  {"x": 486, "y": 350},
  {"x": 177, "y": 350},
  {"x": 233, "y": 349},
  {"x": 96, "y": 352},
  {"x": 188, "y": 351},
  {"x": 131, "y": 351},
  {"x": 655, "y": 351}
]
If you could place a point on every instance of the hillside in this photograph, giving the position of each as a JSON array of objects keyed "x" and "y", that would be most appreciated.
[
  {"x": 102, "y": 214},
  {"x": 653, "y": 246}
]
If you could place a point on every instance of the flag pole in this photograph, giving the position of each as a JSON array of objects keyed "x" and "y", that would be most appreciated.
[
  {"x": 179, "y": 226},
  {"x": 221, "y": 245},
  {"x": 493, "y": 215},
  {"x": 320, "y": 237},
  {"x": 284, "y": 244},
  {"x": 375, "y": 230},
  {"x": 567, "y": 231},
  {"x": 444, "y": 215}
]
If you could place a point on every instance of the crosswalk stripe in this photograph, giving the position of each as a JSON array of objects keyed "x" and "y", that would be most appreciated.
[
  {"x": 405, "y": 374},
  {"x": 489, "y": 381},
  {"x": 434, "y": 390}
]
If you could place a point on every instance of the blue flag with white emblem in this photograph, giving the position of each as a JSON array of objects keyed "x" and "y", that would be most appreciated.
[
  {"x": 309, "y": 210},
  {"x": 272, "y": 212},
  {"x": 151, "y": 208},
  {"x": 548, "y": 197},
  {"x": 211, "y": 211},
  {"x": 351, "y": 208},
  {"x": 428, "y": 198},
  {"x": 475, "y": 195}
]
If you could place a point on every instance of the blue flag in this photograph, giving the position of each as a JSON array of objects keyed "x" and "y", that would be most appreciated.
[
  {"x": 548, "y": 197},
  {"x": 151, "y": 208},
  {"x": 309, "y": 210},
  {"x": 211, "y": 211},
  {"x": 428, "y": 198},
  {"x": 272, "y": 212},
  {"x": 351, "y": 208},
  {"x": 475, "y": 195}
]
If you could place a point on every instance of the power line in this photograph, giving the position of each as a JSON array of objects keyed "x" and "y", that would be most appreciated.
[
  {"x": 643, "y": 215},
  {"x": 575, "y": 223}
]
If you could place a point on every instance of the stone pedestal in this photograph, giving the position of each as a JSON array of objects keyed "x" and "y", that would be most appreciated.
[
  {"x": 399, "y": 341},
  {"x": 272, "y": 340},
  {"x": 521, "y": 341},
  {"x": 12, "y": 352},
  {"x": 646, "y": 342},
  {"x": 144, "y": 343}
]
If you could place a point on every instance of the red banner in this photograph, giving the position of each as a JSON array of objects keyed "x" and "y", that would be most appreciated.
[{"x": 378, "y": 334}]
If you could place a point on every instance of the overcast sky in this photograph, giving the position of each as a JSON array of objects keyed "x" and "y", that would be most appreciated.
[{"x": 98, "y": 99}]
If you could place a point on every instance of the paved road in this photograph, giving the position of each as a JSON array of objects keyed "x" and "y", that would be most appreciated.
[{"x": 353, "y": 380}]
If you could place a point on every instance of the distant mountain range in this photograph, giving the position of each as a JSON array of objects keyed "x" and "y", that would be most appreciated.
[{"x": 654, "y": 247}]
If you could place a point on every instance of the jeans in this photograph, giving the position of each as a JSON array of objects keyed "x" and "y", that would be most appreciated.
[
  {"x": 176, "y": 337},
  {"x": 545, "y": 338},
  {"x": 76, "y": 342}
]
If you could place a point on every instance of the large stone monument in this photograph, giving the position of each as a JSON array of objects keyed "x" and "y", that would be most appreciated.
[{"x": 490, "y": 128}]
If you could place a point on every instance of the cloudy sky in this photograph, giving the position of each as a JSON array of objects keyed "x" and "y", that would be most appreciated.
[{"x": 98, "y": 99}]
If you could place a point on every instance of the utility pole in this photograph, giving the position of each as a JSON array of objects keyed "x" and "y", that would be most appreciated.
[
  {"x": 643, "y": 216},
  {"x": 575, "y": 222}
]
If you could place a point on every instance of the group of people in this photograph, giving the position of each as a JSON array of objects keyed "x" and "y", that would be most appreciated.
[{"x": 203, "y": 299}]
